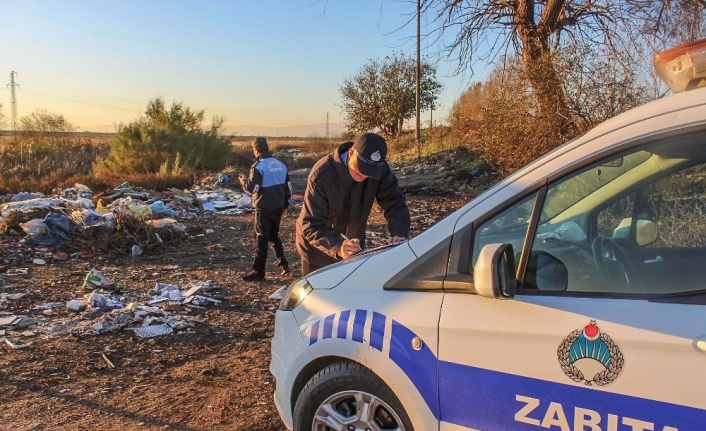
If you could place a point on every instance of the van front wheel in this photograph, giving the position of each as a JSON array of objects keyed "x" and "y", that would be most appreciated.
[{"x": 348, "y": 397}]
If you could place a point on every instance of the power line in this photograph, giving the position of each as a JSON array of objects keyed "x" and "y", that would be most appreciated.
[
  {"x": 81, "y": 91},
  {"x": 78, "y": 101}
]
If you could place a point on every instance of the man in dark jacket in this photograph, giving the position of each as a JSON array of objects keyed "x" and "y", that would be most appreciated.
[
  {"x": 271, "y": 190},
  {"x": 339, "y": 196}
]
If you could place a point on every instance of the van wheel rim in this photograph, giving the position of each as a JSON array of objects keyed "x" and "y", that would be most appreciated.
[{"x": 355, "y": 411}]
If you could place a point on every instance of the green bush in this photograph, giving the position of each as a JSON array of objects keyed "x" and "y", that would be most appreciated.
[{"x": 167, "y": 142}]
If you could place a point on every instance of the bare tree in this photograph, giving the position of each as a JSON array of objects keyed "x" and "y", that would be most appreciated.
[{"x": 482, "y": 31}]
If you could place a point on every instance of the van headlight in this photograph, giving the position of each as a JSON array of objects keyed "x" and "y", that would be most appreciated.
[{"x": 296, "y": 292}]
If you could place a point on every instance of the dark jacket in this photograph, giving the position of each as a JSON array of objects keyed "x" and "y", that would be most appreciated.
[
  {"x": 269, "y": 183},
  {"x": 334, "y": 203}
]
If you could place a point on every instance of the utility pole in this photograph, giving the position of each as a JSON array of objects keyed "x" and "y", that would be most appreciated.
[
  {"x": 417, "y": 133},
  {"x": 327, "y": 126},
  {"x": 13, "y": 102}
]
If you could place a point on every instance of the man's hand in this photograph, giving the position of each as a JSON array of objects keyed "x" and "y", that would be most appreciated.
[
  {"x": 285, "y": 213},
  {"x": 350, "y": 247},
  {"x": 395, "y": 240}
]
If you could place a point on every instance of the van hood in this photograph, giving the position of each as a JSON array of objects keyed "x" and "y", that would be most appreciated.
[{"x": 332, "y": 275}]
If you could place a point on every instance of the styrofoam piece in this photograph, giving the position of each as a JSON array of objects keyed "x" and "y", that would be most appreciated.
[{"x": 153, "y": 330}]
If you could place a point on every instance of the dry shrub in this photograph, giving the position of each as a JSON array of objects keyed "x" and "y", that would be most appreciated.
[
  {"x": 319, "y": 146},
  {"x": 129, "y": 231},
  {"x": 294, "y": 152},
  {"x": 39, "y": 164},
  {"x": 11, "y": 222},
  {"x": 502, "y": 120},
  {"x": 97, "y": 183},
  {"x": 241, "y": 156}
]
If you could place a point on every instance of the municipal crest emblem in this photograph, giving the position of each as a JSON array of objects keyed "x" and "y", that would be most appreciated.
[
  {"x": 590, "y": 352},
  {"x": 375, "y": 157}
]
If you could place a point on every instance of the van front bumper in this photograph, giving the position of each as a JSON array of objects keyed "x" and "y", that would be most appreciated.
[{"x": 289, "y": 355}]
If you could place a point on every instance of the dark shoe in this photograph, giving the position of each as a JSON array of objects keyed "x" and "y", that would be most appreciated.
[
  {"x": 284, "y": 270},
  {"x": 254, "y": 276}
]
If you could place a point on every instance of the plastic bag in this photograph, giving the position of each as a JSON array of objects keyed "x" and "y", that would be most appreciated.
[
  {"x": 245, "y": 202},
  {"x": 34, "y": 227},
  {"x": 159, "y": 208}
]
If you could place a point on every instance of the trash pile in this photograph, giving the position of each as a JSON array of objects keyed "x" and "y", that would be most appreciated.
[
  {"x": 105, "y": 307},
  {"x": 126, "y": 219}
]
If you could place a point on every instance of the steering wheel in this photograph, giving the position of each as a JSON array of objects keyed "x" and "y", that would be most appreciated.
[{"x": 606, "y": 252}]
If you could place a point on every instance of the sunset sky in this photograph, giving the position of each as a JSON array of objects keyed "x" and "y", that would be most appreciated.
[{"x": 266, "y": 63}]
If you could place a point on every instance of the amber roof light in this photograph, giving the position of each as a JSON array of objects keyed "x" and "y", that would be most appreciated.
[{"x": 683, "y": 67}]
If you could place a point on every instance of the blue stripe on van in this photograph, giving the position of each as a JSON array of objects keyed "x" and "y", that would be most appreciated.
[
  {"x": 418, "y": 365},
  {"x": 314, "y": 334},
  {"x": 343, "y": 323},
  {"x": 359, "y": 324},
  {"x": 328, "y": 326},
  {"x": 377, "y": 331},
  {"x": 484, "y": 399}
]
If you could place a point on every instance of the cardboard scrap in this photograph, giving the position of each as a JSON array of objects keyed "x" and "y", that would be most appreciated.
[{"x": 9, "y": 321}]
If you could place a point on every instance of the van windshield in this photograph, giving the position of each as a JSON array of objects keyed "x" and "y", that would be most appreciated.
[{"x": 584, "y": 183}]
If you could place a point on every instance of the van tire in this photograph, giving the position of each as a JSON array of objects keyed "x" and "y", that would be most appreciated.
[{"x": 336, "y": 385}]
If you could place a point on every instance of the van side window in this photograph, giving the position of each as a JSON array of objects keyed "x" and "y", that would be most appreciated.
[
  {"x": 631, "y": 225},
  {"x": 510, "y": 226}
]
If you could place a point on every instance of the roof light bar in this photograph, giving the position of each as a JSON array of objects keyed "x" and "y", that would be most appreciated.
[{"x": 683, "y": 67}]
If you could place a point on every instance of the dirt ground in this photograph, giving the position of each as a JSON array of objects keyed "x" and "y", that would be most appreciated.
[{"x": 210, "y": 376}]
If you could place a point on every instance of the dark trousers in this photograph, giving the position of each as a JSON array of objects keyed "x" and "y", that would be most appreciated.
[
  {"x": 310, "y": 265},
  {"x": 266, "y": 231}
]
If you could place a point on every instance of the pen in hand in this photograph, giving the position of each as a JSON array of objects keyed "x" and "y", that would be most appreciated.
[{"x": 347, "y": 245}]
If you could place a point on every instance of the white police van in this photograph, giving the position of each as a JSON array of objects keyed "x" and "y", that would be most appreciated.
[{"x": 571, "y": 296}]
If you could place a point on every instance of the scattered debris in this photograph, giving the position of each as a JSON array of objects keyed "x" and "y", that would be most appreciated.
[
  {"x": 12, "y": 345},
  {"x": 153, "y": 331},
  {"x": 107, "y": 361},
  {"x": 279, "y": 293}
]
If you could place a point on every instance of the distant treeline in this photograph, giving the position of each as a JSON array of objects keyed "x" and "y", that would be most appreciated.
[{"x": 235, "y": 138}]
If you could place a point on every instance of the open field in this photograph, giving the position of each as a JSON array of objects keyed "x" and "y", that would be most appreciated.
[{"x": 211, "y": 376}]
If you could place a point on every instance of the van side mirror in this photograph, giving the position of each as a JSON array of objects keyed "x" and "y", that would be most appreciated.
[
  {"x": 494, "y": 272},
  {"x": 646, "y": 230}
]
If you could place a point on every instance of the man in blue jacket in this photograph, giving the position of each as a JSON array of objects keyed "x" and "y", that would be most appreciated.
[{"x": 271, "y": 190}]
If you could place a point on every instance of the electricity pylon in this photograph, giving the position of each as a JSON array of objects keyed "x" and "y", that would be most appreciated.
[{"x": 13, "y": 101}]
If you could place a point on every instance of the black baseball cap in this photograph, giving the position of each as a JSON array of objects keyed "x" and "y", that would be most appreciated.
[{"x": 371, "y": 150}]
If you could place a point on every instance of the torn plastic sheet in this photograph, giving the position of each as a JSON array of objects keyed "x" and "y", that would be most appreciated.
[
  {"x": 24, "y": 196},
  {"x": 59, "y": 230},
  {"x": 29, "y": 205},
  {"x": 221, "y": 205}
]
